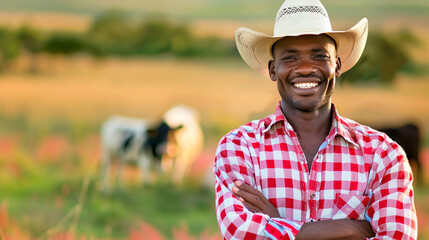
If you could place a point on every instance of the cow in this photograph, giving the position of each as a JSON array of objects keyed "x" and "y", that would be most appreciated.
[
  {"x": 170, "y": 147},
  {"x": 408, "y": 137},
  {"x": 129, "y": 140},
  {"x": 189, "y": 140}
]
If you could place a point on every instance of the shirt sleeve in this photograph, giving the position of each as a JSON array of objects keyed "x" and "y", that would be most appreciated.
[
  {"x": 233, "y": 162},
  {"x": 391, "y": 211}
]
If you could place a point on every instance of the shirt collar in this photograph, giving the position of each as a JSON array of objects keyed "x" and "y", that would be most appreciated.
[
  {"x": 277, "y": 117},
  {"x": 339, "y": 126}
]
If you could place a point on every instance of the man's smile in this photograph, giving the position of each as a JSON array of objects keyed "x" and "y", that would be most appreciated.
[{"x": 306, "y": 85}]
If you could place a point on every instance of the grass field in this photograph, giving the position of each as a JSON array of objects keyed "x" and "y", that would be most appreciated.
[
  {"x": 49, "y": 140},
  {"x": 49, "y": 122}
]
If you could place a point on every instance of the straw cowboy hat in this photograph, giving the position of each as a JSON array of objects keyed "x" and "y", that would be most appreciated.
[{"x": 299, "y": 17}]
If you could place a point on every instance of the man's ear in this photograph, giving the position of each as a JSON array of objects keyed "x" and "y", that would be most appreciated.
[
  {"x": 272, "y": 70},
  {"x": 338, "y": 67}
]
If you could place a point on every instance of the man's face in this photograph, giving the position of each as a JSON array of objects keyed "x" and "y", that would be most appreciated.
[{"x": 305, "y": 69}]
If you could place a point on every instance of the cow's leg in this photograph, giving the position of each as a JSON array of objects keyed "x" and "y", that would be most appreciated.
[
  {"x": 106, "y": 171},
  {"x": 157, "y": 169},
  {"x": 179, "y": 170},
  {"x": 144, "y": 165},
  {"x": 119, "y": 172},
  {"x": 183, "y": 164}
]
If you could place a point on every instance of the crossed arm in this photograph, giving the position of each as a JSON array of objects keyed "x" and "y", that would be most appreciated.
[
  {"x": 328, "y": 229},
  {"x": 247, "y": 214}
]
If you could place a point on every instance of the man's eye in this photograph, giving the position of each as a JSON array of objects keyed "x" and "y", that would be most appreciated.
[
  {"x": 289, "y": 58},
  {"x": 322, "y": 56}
]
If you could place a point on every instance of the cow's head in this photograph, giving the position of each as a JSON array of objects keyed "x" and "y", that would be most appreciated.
[{"x": 159, "y": 139}]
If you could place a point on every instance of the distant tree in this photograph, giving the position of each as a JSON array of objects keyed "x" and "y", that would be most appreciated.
[
  {"x": 113, "y": 31},
  {"x": 31, "y": 41},
  {"x": 215, "y": 47},
  {"x": 182, "y": 41},
  {"x": 384, "y": 56},
  {"x": 65, "y": 43},
  {"x": 9, "y": 48},
  {"x": 155, "y": 36}
]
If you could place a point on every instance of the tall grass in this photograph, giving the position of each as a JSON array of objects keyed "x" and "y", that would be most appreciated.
[
  {"x": 49, "y": 176},
  {"x": 50, "y": 206}
]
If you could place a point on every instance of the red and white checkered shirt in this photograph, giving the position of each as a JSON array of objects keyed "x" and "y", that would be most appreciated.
[{"x": 358, "y": 173}]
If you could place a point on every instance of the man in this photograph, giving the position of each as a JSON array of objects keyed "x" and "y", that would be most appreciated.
[{"x": 306, "y": 172}]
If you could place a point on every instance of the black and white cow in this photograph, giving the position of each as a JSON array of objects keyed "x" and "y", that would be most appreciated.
[{"x": 128, "y": 140}]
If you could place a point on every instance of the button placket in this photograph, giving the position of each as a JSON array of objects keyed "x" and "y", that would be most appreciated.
[{"x": 314, "y": 186}]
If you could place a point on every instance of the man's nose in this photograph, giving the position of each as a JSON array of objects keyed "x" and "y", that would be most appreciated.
[{"x": 305, "y": 67}]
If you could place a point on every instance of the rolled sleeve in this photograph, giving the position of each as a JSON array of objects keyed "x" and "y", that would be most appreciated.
[{"x": 279, "y": 228}]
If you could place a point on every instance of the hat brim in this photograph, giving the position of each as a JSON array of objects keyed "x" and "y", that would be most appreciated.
[{"x": 255, "y": 47}]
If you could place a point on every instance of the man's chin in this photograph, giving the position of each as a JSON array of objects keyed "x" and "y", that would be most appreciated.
[
  {"x": 309, "y": 106},
  {"x": 305, "y": 107}
]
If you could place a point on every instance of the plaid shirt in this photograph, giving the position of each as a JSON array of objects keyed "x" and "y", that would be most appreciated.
[{"x": 358, "y": 173}]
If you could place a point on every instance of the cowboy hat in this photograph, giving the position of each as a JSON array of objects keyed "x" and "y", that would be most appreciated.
[{"x": 295, "y": 18}]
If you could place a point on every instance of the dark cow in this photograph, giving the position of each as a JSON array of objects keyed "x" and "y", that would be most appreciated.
[
  {"x": 408, "y": 137},
  {"x": 129, "y": 140}
]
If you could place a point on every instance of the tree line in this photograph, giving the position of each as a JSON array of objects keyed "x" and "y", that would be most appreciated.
[
  {"x": 385, "y": 55},
  {"x": 113, "y": 33}
]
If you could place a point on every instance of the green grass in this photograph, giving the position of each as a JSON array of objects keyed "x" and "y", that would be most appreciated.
[
  {"x": 44, "y": 202},
  {"x": 222, "y": 9},
  {"x": 41, "y": 195}
]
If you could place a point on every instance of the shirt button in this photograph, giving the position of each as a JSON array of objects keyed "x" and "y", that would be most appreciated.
[{"x": 312, "y": 195}]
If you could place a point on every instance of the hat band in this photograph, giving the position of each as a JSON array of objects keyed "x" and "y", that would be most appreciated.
[{"x": 300, "y": 9}]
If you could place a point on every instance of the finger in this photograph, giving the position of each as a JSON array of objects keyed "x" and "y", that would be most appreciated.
[
  {"x": 248, "y": 188},
  {"x": 245, "y": 187},
  {"x": 250, "y": 206},
  {"x": 256, "y": 201},
  {"x": 262, "y": 202},
  {"x": 251, "y": 190},
  {"x": 249, "y": 197}
]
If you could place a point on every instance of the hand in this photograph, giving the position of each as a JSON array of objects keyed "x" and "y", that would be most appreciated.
[
  {"x": 336, "y": 229},
  {"x": 254, "y": 200}
]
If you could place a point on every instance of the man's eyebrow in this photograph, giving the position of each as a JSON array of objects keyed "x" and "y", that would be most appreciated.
[
  {"x": 319, "y": 50},
  {"x": 289, "y": 51}
]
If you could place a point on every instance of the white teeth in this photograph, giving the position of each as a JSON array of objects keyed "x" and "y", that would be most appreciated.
[{"x": 305, "y": 85}]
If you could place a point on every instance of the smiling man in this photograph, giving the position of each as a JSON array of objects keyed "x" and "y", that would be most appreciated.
[{"x": 305, "y": 172}]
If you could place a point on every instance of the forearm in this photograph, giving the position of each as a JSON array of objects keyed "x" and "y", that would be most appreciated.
[
  {"x": 235, "y": 221},
  {"x": 280, "y": 228},
  {"x": 336, "y": 230}
]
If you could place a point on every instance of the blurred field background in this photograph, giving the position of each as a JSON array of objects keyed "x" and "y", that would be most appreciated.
[{"x": 61, "y": 77}]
